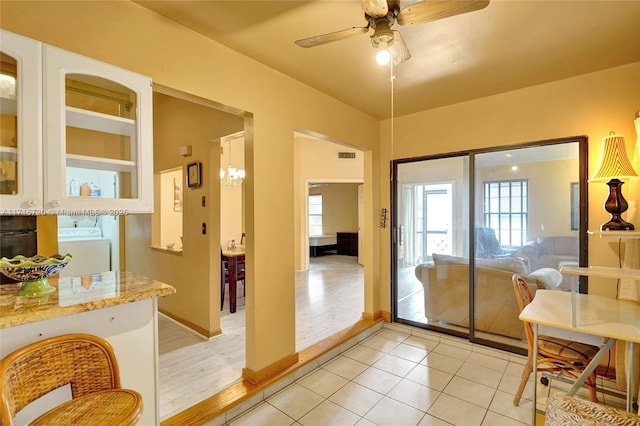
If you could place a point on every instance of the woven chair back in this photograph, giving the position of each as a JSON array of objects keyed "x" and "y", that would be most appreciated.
[
  {"x": 86, "y": 362},
  {"x": 524, "y": 297}
]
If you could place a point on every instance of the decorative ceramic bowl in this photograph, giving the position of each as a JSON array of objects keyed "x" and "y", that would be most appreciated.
[{"x": 33, "y": 272}]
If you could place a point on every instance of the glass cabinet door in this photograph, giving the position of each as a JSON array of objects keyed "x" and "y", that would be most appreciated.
[
  {"x": 20, "y": 124},
  {"x": 99, "y": 133}
]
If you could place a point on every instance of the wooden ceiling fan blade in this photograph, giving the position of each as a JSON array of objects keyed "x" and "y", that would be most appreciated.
[
  {"x": 375, "y": 8},
  {"x": 399, "y": 51},
  {"x": 432, "y": 10},
  {"x": 331, "y": 37}
]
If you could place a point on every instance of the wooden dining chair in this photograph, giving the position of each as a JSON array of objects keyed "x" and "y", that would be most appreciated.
[
  {"x": 85, "y": 362},
  {"x": 555, "y": 355},
  {"x": 224, "y": 277}
]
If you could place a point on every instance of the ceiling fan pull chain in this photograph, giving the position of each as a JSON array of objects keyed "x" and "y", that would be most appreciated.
[{"x": 392, "y": 77}]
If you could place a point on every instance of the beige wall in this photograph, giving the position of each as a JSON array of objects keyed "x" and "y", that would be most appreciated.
[
  {"x": 339, "y": 207},
  {"x": 129, "y": 36},
  {"x": 170, "y": 212},
  {"x": 592, "y": 105}
]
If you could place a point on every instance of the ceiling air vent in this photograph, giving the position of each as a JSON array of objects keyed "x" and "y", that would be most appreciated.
[{"x": 345, "y": 154}]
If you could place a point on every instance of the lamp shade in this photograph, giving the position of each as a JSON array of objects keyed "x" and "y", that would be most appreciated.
[{"x": 614, "y": 162}]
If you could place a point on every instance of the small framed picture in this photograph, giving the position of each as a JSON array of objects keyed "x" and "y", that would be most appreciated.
[{"x": 194, "y": 174}]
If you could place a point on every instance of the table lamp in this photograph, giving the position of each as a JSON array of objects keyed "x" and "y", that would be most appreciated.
[{"x": 614, "y": 168}]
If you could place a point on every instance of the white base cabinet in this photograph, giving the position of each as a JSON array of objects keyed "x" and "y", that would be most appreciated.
[{"x": 132, "y": 330}]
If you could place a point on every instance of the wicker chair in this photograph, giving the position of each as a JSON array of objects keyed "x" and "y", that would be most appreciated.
[
  {"x": 565, "y": 410},
  {"x": 554, "y": 354},
  {"x": 85, "y": 362}
]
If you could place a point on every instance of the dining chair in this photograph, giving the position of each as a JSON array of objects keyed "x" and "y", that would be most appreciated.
[
  {"x": 555, "y": 355},
  {"x": 85, "y": 362},
  {"x": 563, "y": 410}
]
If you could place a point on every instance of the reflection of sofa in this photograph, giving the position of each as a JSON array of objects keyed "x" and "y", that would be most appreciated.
[
  {"x": 551, "y": 252},
  {"x": 446, "y": 291},
  {"x": 548, "y": 252}
]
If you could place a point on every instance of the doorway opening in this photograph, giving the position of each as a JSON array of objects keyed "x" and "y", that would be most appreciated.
[
  {"x": 184, "y": 127},
  {"x": 329, "y": 203}
]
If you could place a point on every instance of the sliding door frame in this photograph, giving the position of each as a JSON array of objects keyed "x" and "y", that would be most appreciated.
[{"x": 583, "y": 162}]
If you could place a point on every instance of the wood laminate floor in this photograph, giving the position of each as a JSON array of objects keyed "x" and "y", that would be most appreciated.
[{"x": 329, "y": 298}]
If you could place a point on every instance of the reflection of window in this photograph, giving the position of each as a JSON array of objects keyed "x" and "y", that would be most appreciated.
[
  {"x": 505, "y": 210},
  {"x": 575, "y": 206},
  {"x": 315, "y": 214},
  {"x": 428, "y": 222}
]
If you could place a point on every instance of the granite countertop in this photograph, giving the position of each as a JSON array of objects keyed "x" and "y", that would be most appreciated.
[{"x": 78, "y": 294}]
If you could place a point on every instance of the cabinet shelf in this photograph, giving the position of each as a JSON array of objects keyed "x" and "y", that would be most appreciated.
[
  {"x": 616, "y": 234},
  {"x": 100, "y": 163},
  {"x": 8, "y": 106},
  {"x": 602, "y": 271},
  {"x": 8, "y": 153},
  {"x": 90, "y": 120}
]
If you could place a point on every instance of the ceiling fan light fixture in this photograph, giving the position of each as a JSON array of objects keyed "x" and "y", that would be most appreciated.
[{"x": 382, "y": 36}]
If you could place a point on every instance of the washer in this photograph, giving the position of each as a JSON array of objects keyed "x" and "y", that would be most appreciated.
[{"x": 91, "y": 252}]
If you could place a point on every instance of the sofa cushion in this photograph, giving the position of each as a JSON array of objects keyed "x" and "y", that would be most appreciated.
[
  {"x": 445, "y": 259},
  {"x": 512, "y": 264},
  {"x": 444, "y": 262},
  {"x": 560, "y": 245}
]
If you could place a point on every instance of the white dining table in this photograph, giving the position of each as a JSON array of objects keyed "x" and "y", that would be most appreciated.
[{"x": 612, "y": 319}]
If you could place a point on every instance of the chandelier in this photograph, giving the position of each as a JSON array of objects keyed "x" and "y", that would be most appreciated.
[{"x": 231, "y": 175}]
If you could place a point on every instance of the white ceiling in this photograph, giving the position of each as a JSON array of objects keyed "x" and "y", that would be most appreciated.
[{"x": 509, "y": 45}]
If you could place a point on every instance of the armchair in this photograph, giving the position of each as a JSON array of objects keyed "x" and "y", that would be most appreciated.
[{"x": 487, "y": 244}]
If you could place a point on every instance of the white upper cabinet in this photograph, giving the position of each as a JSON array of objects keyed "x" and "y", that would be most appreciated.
[
  {"x": 95, "y": 121},
  {"x": 20, "y": 123}
]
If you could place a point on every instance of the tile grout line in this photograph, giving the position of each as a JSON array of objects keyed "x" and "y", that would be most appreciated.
[{"x": 386, "y": 395}]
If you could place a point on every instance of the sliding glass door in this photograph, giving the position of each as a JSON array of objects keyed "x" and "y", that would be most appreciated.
[
  {"x": 465, "y": 224},
  {"x": 433, "y": 214}
]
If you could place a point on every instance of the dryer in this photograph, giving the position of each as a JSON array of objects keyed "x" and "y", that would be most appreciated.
[{"x": 91, "y": 252}]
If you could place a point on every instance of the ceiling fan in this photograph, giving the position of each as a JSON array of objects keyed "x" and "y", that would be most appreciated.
[{"x": 382, "y": 14}]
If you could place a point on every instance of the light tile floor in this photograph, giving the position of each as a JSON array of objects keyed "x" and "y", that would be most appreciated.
[{"x": 400, "y": 376}]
